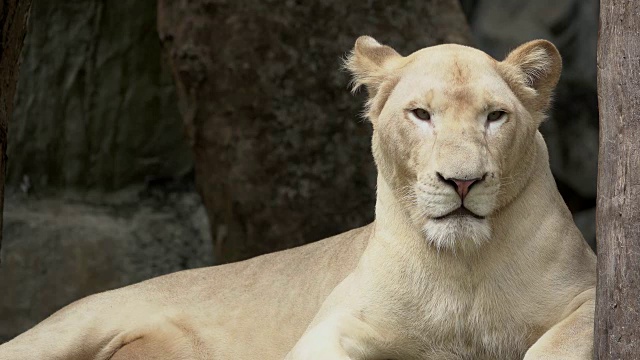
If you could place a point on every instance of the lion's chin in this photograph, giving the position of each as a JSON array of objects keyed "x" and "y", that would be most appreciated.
[{"x": 464, "y": 233}]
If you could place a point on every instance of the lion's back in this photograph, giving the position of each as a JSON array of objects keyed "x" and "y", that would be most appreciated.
[
  {"x": 255, "y": 309},
  {"x": 260, "y": 307}
]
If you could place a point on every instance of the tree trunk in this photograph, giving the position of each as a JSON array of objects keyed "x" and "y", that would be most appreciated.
[
  {"x": 14, "y": 15},
  {"x": 282, "y": 156},
  {"x": 617, "y": 323}
]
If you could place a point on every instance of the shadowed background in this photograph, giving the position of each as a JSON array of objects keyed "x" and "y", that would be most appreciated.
[{"x": 149, "y": 138}]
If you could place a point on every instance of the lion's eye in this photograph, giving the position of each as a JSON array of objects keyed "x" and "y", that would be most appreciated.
[
  {"x": 421, "y": 114},
  {"x": 495, "y": 115}
]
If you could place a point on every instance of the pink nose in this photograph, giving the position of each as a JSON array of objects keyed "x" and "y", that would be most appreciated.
[{"x": 462, "y": 186}]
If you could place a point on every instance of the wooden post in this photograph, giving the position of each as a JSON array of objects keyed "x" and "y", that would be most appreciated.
[
  {"x": 14, "y": 15},
  {"x": 617, "y": 322}
]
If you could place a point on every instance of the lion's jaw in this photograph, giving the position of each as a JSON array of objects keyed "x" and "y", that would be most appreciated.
[{"x": 427, "y": 160}]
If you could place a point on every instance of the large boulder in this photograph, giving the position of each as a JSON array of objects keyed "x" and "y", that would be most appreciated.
[
  {"x": 281, "y": 157},
  {"x": 64, "y": 246}
]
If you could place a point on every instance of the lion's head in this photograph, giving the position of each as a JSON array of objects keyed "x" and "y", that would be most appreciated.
[{"x": 454, "y": 129}]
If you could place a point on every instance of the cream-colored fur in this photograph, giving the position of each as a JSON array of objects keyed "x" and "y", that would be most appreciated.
[{"x": 510, "y": 278}]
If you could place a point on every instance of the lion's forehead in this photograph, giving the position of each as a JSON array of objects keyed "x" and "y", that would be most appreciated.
[
  {"x": 438, "y": 93},
  {"x": 453, "y": 76},
  {"x": 458, "y": 63}
]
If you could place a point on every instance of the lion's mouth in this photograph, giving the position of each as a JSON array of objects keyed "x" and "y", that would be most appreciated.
[{"x": 460, "y": 212}]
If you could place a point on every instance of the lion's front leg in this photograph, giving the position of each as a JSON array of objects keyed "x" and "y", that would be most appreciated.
[
  {"x": 339, "y": 336},
  {"x": 571, "y": 338}
]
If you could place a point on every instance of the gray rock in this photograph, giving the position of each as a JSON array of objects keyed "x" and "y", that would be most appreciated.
[
  {"x": 64, "y": 246},
  {"x": 95, "y": 105}
]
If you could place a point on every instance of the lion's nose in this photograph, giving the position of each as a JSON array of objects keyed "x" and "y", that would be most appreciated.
[{"x": 462, "y": 186}]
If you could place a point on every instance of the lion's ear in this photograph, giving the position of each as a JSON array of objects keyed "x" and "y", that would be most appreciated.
[
  {"x": 370, "y": 63},
  {"x": 538, "y": 66}
]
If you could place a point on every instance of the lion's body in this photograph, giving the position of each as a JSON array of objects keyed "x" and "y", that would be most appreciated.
[
  {"x": 256, "y": 309},
  {"x": 447, "y": 270}
]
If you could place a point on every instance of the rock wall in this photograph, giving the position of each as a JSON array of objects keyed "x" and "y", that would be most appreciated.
[
  {"x": 95, "y": 105},
  {"x": 98, "y": 193}
]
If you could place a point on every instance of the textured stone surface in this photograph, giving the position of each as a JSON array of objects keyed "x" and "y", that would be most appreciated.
[
  {"x": 282, "y": 157},
  {"x": 94, "y": 108},
  {"x": 61, "y": 247},
  {"x": 14, "y": 15}
]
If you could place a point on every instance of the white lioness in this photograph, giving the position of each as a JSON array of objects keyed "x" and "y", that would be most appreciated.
[{"x": 473, "y": 253}]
